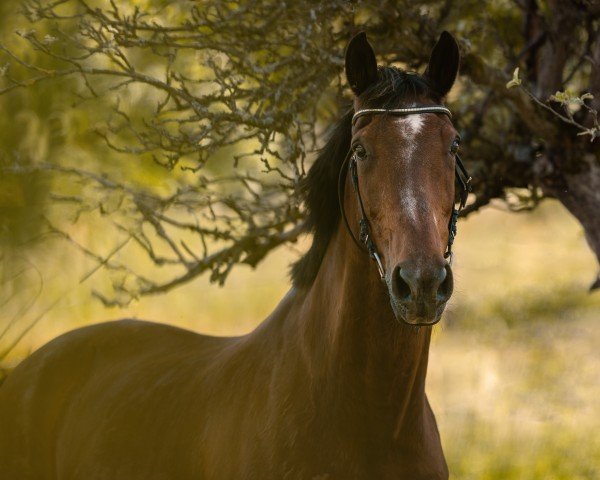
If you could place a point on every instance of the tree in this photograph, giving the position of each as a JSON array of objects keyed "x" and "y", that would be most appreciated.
[{"x": 230, "y": 99}]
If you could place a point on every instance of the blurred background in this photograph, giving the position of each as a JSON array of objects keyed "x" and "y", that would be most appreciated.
[{"x": 514, "y": 376}]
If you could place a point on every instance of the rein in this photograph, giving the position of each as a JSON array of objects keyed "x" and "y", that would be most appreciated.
[{"x": 350, "y": 163}]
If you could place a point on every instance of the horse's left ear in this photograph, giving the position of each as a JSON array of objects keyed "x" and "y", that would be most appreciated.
[
  {"x": 361, "y": 65},
  {"x": 443, "y": 64}
]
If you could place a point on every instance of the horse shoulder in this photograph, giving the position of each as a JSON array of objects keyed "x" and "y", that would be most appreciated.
[{"x": 66, "y": 394}]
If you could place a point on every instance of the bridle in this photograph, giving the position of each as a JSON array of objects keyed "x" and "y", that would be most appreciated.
[{"x": 350, "y": 162}]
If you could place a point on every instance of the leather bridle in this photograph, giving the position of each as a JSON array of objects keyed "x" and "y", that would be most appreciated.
[{"x": 350, "y": 163}]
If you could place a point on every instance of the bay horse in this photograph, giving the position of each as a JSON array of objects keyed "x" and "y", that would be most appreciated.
[{"x": 332, "y": 384}]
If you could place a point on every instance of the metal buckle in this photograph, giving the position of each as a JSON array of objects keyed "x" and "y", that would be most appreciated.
[{"x": 379, "y": 265}]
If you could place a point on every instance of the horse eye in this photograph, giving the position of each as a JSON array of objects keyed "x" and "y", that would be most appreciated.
[
  {"x": 359, "y": 151},
  {"x": 454, "y": 147}
]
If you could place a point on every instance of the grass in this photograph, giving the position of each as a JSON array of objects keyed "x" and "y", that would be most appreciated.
[
  {"x": 514, "y": 373},
  {"x": 519, "y": 400}
]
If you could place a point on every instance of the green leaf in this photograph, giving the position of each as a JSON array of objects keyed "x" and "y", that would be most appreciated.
[
  {"x": 516, "y": 81},
  {"x": 569, "y": 98}
]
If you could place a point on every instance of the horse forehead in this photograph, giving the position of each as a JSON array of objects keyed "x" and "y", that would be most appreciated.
[
  {"x": 404, "y": 137},
  {"x": 407, "y": 128},
  {"x": 405, "y": 132},
  {"x": 411, "y": 125}
]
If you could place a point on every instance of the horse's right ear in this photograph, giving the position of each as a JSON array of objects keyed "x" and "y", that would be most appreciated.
[
  {"x": 443, "y": 64},
  {"x": 361, "y": 66}
]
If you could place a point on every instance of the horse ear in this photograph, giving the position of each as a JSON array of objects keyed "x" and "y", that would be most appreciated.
[
  {"x": 443, "y": 64},
  {"x": 361, "y": 66}
]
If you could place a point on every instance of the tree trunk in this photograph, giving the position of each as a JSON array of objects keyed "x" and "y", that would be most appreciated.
[{"x": 578, "y": 191}]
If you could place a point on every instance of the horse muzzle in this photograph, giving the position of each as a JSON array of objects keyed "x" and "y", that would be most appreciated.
[{"x": 419, "y": 291}]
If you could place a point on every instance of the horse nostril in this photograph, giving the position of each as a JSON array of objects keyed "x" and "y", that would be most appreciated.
[
  {"x": 433, "y": 284},
  {"x": 446, "y": 284},
  {"x": 401, "y": 284}
]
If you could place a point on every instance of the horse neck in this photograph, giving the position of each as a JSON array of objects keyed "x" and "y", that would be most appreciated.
[{"x": 354, "y": 347}]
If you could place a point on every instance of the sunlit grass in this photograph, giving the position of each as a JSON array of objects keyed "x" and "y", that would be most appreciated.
[
  {"x": 514, "y": 374},
  {"x": 519, "y": 400}
]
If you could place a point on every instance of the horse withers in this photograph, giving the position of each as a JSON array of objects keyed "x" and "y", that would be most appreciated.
[{"x": 332, "y": 384}]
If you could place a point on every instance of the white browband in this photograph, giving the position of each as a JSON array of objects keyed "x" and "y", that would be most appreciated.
[{"x": 402, "y": 111}]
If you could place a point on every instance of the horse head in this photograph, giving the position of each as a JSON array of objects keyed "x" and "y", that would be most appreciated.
[{"x": 402, "y": 165}]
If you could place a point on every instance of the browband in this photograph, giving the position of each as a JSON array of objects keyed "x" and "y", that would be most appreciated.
[{"x": 402, "y": 111}]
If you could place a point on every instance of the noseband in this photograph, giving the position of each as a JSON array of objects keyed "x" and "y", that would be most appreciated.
[{"x": 350, "y": 162}]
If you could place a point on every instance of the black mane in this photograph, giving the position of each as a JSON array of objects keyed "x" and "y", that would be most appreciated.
[{"x": 395, "y": 89}]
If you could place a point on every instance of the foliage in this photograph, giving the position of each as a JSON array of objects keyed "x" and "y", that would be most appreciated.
[
  {"x": 185, "y": 128},
  {"x": 568, "y": 100}
]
